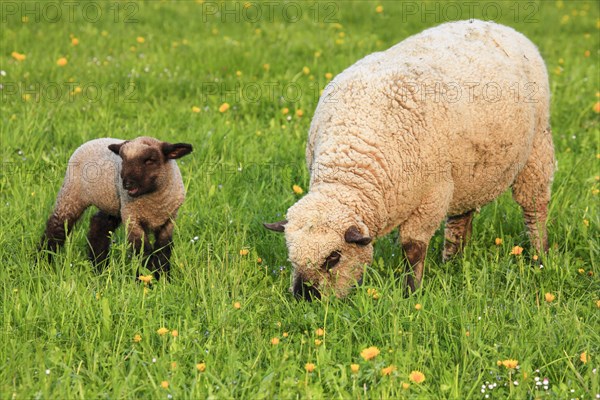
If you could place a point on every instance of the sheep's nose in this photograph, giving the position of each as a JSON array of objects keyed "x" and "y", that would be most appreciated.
[
  {"x": 304, "y": 290},
  {"x": 128, "y": 183}
]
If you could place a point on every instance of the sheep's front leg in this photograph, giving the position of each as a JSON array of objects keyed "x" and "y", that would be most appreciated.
[
  {"x": 457, "y": 233},
  {"x": 417, "y": 231},
  {"x": 138, "y": 238},
  {"x": 163, "y": 244}
]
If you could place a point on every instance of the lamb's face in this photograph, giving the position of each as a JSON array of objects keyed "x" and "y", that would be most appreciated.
[
  {"x": 143, "y": 166},
  {"x": 326, "y": 247}
]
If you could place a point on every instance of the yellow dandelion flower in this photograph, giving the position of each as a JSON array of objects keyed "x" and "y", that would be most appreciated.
[
  {"x": 266, "y": 67},
  {"x": 162, "y": 331},
  {"x": 354, "y": 368},
  {"x": 244, "y": 252},
  {"x": 238, "y": 73},
  {"x": 535, "y": 257},
  {"x": 224, "y": 107},
  {"x": 275, "y": 341},
  {"x": 305, "y": 70},
  {"x": 309, "y": 367},
  {"x": 61, "y": 62},
  {"x": 237, "y": 305},
  {"x": 379, "y": 9},
  {"x": 77, "y": 90},
  {"x": 74, "y": 41},
  {"x": 597, "y": 303},
  {"x": 137, "y": 338},
  {"x": 285, "y": 111},
  {"x": 318, "y": 342},
  {"x": 175, "y": 333},
  {"x": 297, "y": 189},
  {"x": 517, "y": 250},
  {"x": 405, "y": 385},
  {"x": 586, "y": 53},
  {"x": 320, "y": 332},
  {"x": 498, "y": 363},
  {"x": 369, "y": 353},
  {"x": 299, "y": 113},
  {"x": 259, "y": 260},
  {"x": 18, "y": 56},
  {"x": 145, "y": 278},
  {"x": 373, "y": 293},
  {"x": 285, "y": 334},
  {"x": 585, "y": 357},
  {"x": 549, "y": 297},
  {"x": 467, "y": 333},
  {"x": 328, "y": 75},
  {"x": 388, "y": 370},
  {"x": 597, "y": 107},
  {"x": 498, "y": 241},
  {"x": 416, "y": 377},
  {"x": 590, "y": 273},
  {"x": 561, "y": 61},
  {"x": 418, "y": 307},
  {"x": 173, "y": 364},
  {"x": 510, "y": 363},
  {"x": 140, "y": 39},
  {"x": 164, "y": 384},
  {"x": 196, "y": 109},
  {"x": 201, "y": 367},
  {"x": 586, "y": 222},
  {"x": 581, "y": 271}
]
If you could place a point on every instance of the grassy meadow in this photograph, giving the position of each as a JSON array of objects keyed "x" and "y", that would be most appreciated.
[{"x": 240, "y": 81}]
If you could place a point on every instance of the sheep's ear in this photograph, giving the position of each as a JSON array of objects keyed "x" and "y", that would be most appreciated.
[
  {"x": 115, "y": 148},
  {"x": 177, "y": 150},
  {"x": 276, "y": 226},
  {"x": 353, "y": 235}
]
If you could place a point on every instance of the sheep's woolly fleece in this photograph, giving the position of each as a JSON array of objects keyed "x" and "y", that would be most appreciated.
[{"x": 438, "y": 125}]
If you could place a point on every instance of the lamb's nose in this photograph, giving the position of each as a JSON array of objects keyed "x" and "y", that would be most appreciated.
[{"x": 128, "y": 184}]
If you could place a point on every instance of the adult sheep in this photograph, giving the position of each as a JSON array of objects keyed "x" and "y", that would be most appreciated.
[
  {"x": 436, "y": 126},
  {"x": 135, "y": 181}
]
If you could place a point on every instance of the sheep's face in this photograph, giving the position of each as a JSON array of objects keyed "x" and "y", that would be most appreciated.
[
  {"x": 327, "y": 246},
  {"x": 143, "y": 163}
]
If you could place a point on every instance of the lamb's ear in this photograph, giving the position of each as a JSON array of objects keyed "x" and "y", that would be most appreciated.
[
  {"x": 276, "y": 226},
  {"x": 177, "y": 150},
  {"x": 353, "y": 235},
  {"x": 115, "y": 148}
]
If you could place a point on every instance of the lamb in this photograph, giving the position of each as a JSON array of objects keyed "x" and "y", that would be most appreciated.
[
  {"x": 435, "y": 127},
  {"x": 134, "y": 181}
]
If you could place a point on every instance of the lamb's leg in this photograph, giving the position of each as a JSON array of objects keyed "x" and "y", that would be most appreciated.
[
  {"x": 55, "y": 234},
  {"x": 138, "y": 239},
  {"x": 457, "y": 233},
  {"x": 531, "y": 189},
  {"x": 417, "y": 231},
  {"x": 101, "y": 226},
  {"x": 163, "y": 244}
]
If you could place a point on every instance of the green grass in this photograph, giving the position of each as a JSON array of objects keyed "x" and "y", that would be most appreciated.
[{"x": 67, "y": 332}]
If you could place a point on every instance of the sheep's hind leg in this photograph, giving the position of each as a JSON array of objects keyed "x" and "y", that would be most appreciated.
[
  {"x": 163, "y": 244},
  {"x": 457, "y": 233},
  {"x": 531, "y": 190},
  {"x": 101, "y": 225},
  {"x": 58, "y": 226}
]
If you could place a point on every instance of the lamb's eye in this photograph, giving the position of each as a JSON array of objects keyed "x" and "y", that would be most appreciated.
[{"x": 331, "y": 260}]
